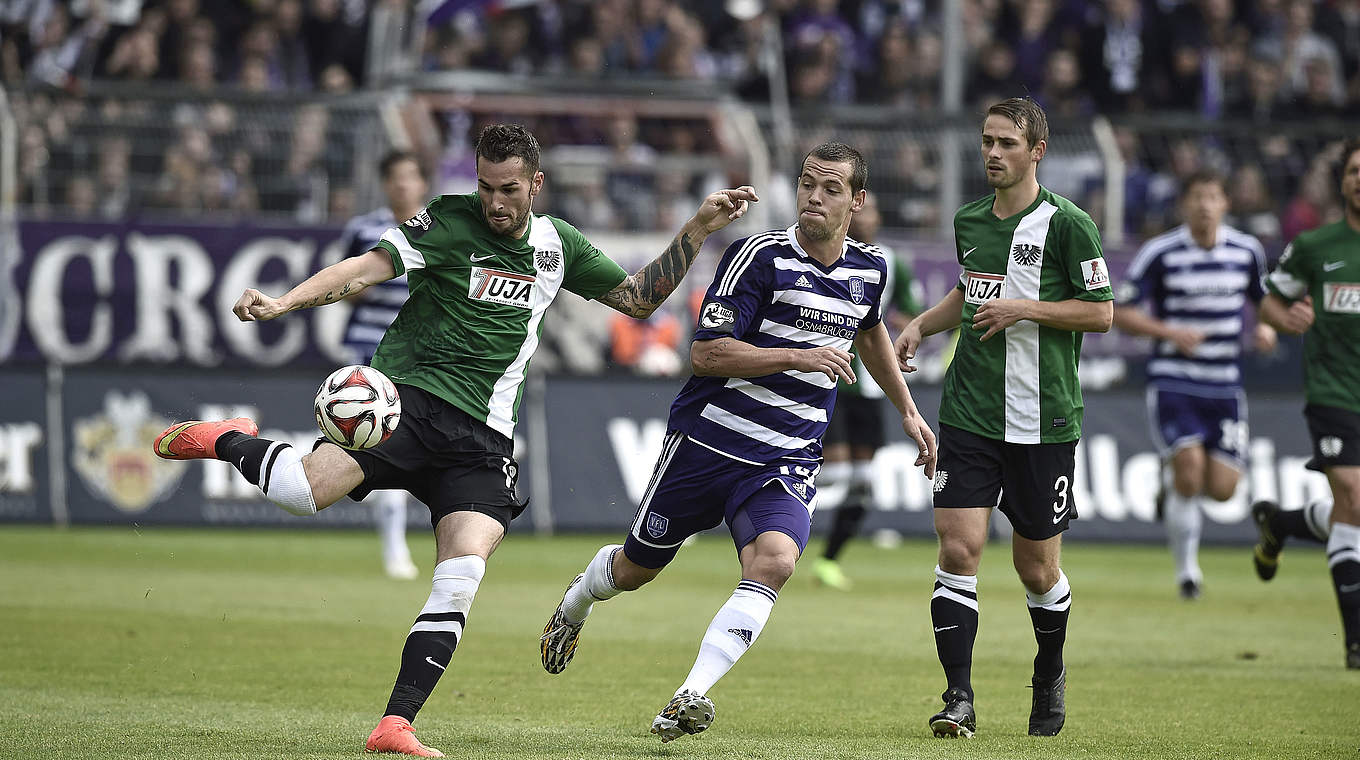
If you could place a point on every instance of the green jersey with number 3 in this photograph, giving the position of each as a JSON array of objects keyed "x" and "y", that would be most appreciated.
[
  {"x": 1020, "y": 385},
  {"x": 477, "y": 301},
  {"x": 1325, "y": 263}
]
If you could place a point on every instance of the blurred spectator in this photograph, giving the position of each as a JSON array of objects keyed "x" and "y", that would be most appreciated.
[
  {"x": 1312, "y": 207},
  {"x": 629, "y": 176},
  {"x": 1062, "y": 96},
  {"x": 1031, "y": 37},
  {"x": 1253, "y": 210},
  {"x": 1296, "y": 44},
  {"x": 994, "y": 79},
  {"x": 889, "y": 80},
  {"x": 647, "y": 347},
  {"x": 80, "y": 197},
  {"x": 1122, "y": 55},
  {"x": 1264, "y": 99}
]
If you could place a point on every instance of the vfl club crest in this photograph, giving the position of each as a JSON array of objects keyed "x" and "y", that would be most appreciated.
[
  {"x": 857, "y": 289},
  {"x": 547, "y": 261},
  {"x": 1026, "y": 253},
  {"x": 113, "y": 457},
  {"x": 657, "y": 525}
]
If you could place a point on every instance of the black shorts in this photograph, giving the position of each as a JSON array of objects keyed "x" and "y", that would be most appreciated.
[
  {"x": 1031, "y": 483},
  {"x": 1336, "y": 436},
  {"x": 856, "y": 420},
  {"x": 443, "y": 456}
]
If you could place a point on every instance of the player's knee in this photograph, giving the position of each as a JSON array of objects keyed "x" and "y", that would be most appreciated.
[
  {"x": 959, "y": 556},
  {"x": 772, "y": 569},
  {"x": 1188, "y": 482},
  {"x": 1221, "y": 490},
  {"x": 1037, "y": 577}
]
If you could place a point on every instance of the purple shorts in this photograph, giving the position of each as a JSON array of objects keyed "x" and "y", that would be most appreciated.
[
  {"x": 1184, "y": 419},
  {"x": 694, "y": 488}
]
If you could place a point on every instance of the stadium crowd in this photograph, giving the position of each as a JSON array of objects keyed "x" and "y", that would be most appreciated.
[{"x": 1263, "y": 70}]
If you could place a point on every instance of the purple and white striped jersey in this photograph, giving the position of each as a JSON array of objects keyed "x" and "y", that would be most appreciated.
[
  {"x": 379, "y": 304},
  {"x": 1191, "y": 287},
  {"x": 770, "y": 293}
]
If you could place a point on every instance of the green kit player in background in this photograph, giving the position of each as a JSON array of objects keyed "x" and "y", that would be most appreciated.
[
  {"x": 1316, "y": 289},
  {"x": 855, "y": 432},
  {"x": 1033, "y": 280},
  {"x": 482, "y": 271}
]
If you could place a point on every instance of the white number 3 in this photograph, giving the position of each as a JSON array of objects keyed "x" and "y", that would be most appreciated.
[{"x": 1061, "y": 486}]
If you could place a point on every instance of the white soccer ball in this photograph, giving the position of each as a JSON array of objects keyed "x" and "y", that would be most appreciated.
[{"x": 357, "y": 407}]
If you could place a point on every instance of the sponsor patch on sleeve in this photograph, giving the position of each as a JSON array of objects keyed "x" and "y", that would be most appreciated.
[
  {"x": 717, "y": 316},
  {"x": 419, "y": 224},
  {"x": 1094, "y": 274}
]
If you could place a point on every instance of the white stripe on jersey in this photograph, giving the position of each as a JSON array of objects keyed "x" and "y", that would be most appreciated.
[
  {"x": 1210, "y": 327},
  {"x": 812, "y": 300},
  {"x": 411, "y": 259},
  {"x": 1193, "y": 281},
  {"x": 1191, "y": 370},
  {"x": 754, "y": 431},
  {"x": 1222, "y": 254},
  {"x": 840, "y": 273},
  {"x": 1232, "y": 302},
  {"x": 781, "y": 330},
  {"x": 813, "y": 378},
  {"x": 1206, "y": 350},
  {"x": 1022, "y": 391},
  {"x": 770, "y": 398},
  {"x": 742, "y": 260}
]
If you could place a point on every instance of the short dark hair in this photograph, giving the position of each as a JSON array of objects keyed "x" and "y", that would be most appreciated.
[
  {"x": 1348, "y": 149},
  {"x": 501, "y": 142},
  {"x": 844, "y": 154},
  {"x": 1204, "y": 177},
  {"x": 392, "y": 158},
  {"x": 1027, "y": 114}
]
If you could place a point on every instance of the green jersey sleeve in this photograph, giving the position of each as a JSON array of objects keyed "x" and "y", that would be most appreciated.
[
  {"x": 1291, "y": 278},
  {"x": 590, "y": 274},
  {"x": 424, "y": 240},
  {"x": 1081, "y": 253}
]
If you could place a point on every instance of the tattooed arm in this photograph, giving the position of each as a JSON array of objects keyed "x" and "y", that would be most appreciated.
[
  {"x": 339, "y": 280},
  {"x": 641, "y": 293}
]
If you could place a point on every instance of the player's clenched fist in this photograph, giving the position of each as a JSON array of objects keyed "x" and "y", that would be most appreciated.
[
  {"x": 832, "y": 362},
  {"x": 254, "y": 305}
]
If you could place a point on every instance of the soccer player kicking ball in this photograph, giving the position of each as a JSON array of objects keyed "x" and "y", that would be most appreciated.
[
  {"x": 744, "y": 440},
  {"x": 1316, "y": 289},
  {"x": 483, "y": 269},
  {"x": 1033, "y": 281}
]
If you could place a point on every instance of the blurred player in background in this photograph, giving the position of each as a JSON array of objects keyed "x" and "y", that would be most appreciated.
[
  {"x": 744, "y": 438},
  {"x": 1316, "y": 289},
  {"x": 855, "y": 433},
  {"x": 458, "y": 354},
  {"x": 1195, "y": 280},
  {"x": 407, "y": 188},
  {"x": 1034, "y": 279}
]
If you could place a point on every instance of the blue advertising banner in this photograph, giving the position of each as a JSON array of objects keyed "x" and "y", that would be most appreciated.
[{"x": 25, "y": 478}]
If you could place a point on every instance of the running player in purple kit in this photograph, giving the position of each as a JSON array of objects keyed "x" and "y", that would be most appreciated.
[{"x": 744, "y": 443}]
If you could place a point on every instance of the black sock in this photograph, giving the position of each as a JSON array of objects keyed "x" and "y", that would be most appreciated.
[
  {"x": 1292, "y": 524},
  {"x": 246, "y": 453},
  {"x": 1346, "y": 579},
  {"x": 845, "y": 527},
  {"x": 423, "y": 660},
  {"x": 1050, "y": 631},
  {"x": 956, "y": 625}
]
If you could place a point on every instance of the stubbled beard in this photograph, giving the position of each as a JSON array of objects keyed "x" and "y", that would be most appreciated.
[
  {"x": 818, "y": 232},
  {"x": 516, "y": 221}
]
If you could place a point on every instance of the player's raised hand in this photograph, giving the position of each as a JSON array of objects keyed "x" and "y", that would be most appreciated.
[
  {"x": 998, "y": 314},
  {"x": 906, "y": 344},
  {"x": 832, "y": 362},
  {"x": 256, "y": 306},
  {"x": 724, "y": 207},
  {"x": 915, "y": 426}
]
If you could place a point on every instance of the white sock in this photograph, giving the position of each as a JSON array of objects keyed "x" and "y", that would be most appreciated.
[
  {"x": 1184, "y": 522},
  {"x": 1057, "y": 599},
  {"x": 733, "y": 630},
  {"x": 451, "y": 593},
  {"x": 284, "y": 481},
  {"x": 390, "y": 508},
  {"x": 1344, "y": 544},
  {"x": 597, "y": 586},
  {"x": 1318, "y": 515}
]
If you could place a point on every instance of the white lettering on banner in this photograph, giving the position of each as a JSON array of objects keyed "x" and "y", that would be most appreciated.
[
  {"x": 46, "y": 312},
  {"x": 1341, "y": 297},
  {"x": 162, "y": 303},
  {"x": 636, "y": 449},
  {"x": 17, "y": 442},
  {"x": 983, "y": 287},
  {"x": 244, "y": 272}
]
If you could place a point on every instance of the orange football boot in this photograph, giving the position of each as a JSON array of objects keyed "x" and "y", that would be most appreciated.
[
  {"x": 394, "y": 734},
  {"x": 196, "y": 439}
]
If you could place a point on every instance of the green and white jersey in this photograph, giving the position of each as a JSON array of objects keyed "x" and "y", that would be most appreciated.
[
  {"x": 902, "y": 293},
  {"x": 475, "y": 313},
  {"x": 1021, "y": 385},
  {"x": 1325, "y": 263}
]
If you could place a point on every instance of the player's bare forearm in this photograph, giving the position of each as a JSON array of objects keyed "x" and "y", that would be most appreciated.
[
  {"x": 1135, "y": 321},
  {"x": 340, "y": 280},
  {"x": 875, "y": 349},
  {"x": 945, "y": 315},
  {"x": 1073, "y": 314},
  {"x": 641, "y": 293},
  {"x": 729, "y": 357}
]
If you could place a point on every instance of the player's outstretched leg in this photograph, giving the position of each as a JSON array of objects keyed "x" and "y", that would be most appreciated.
[
  {"x": 274, "y": 466},
  {"x": 957, "y": 719},
  {"x": 1275, "y": 526},
  {"x": 686, "y": 713},
  {"x": 563, "y": 631}
]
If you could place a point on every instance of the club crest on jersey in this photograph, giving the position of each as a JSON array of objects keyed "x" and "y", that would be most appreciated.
[
  {"x": 857, "y": 289},
  {"x": 1027, "y": 254},
  {"x": 657, "y": 525},
  {"x": 982, "y": 287},
  {"x": 547, "y": 261},
  {"x": 716, "y": 316},
  {"x": 420, "y": 223},
  {"x": 507, "y": 288}
]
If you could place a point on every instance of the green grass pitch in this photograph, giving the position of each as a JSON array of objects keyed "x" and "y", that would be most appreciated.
[{"x": 118, "y": 643}]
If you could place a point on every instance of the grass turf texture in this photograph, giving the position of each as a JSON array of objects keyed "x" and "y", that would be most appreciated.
[{"x": 164, "y": 643}]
